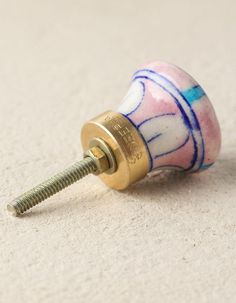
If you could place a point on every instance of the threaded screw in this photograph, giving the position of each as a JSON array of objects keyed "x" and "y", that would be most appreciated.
[{"x": 51, "y": 186}]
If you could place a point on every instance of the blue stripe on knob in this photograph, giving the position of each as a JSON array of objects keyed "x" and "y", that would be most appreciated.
[{"x": 193, "y": 94}]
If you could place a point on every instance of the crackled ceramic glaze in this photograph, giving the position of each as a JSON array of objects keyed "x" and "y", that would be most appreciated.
[{"x": 174, "y": 117}]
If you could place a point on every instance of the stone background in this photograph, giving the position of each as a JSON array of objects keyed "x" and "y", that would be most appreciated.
[{"x": 167, "y": 239}]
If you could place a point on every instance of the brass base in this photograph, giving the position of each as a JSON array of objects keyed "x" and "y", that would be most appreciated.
[{"x": 125, "y": 143}]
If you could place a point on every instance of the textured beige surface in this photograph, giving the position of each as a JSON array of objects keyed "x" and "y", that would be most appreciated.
[{"x": 166, "y": 239}]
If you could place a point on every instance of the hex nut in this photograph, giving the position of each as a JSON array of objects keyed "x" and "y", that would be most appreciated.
[
  {"x": 97, "y": 142},
  {"x": 100, "y": 159}
]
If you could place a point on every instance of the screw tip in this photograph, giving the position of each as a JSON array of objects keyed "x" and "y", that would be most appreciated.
[{"x": 12, "y": 210}]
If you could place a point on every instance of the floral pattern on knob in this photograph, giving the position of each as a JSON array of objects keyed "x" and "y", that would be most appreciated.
[{"x": 174, "y": 116}]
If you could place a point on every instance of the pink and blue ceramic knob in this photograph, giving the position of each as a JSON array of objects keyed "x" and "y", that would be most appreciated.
[
  {"x": 165, "y": 121},
  {"x": 174, "y": 117}
]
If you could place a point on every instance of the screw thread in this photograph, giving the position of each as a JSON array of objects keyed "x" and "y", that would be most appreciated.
[{"x": 51, "y": 186}]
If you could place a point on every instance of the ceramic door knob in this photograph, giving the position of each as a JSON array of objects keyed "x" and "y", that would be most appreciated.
[
  {"x": 174, "y": 117},
  {"x": 165, "y": 121}
]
